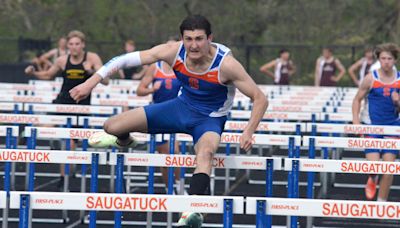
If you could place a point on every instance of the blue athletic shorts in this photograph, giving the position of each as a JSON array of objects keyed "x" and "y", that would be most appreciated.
[
  {"x": 174, "y": 116},
  {"x": 396, "y": 123}
]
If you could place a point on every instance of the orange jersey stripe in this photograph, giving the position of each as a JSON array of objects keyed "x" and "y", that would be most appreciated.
[
  {"x": 160, "y": 74},
  {"x": 378, "y": 84},
  {"x": 211, "y": 76}
]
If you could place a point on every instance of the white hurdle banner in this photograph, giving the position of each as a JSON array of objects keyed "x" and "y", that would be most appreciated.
[
  {"x": 344, "y": 166},
  {"x": 126, "y": 202},
  {"x": 354, "y": 129},
  {"x": 326, "y": 208},
  {"x": 229, "y": 125},
  {"x": 328, "y": 109},
  {"x": 298, "y": 116},
  {"x": 51, "y": 156},
  {"x": 3, "y": 130},
  {"x": 265, "y": 126},
  {"x": 3, "y": 199},
  {"x": 36, "y": 119},
  {"x": 77, "y": 133},
  {"x": 10, "y": 106},
  {"x": 257, "y": 139},
  {"x": 119, "y": 102},
  {"x": 219, "y": 161},
  {"x": 355, "y": 143},
  {"x": 76, "y": 109},
  {"x": 93, "y": 121},
  {"x": 26, "y": 98}
]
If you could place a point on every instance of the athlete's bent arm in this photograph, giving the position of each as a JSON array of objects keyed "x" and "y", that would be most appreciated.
[
  {"x": 143, "y": 87},
  {"x": 233, "y": 71},
  {"x": 165, "y": 52},
  {"x": 342, "y": 70},
  {"x": 352, "y": 71},
  {"x": 361, "y": 93},
  {"x": 317, "y": 73},
  {"x": 48, "y": 74},
  {"x": 266, "y": 68}
]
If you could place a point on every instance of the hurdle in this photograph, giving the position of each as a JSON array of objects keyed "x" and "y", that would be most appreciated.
[
  {"x": 264, "y": 207},
  {"x": 352, "y": 130},
  {"x": 55, "y": 157},
  {"x": 31, "y": 120},
  {"x": 287, "y": 127},
  {"x": 28, "y": 201},
  {"x": 10, "y": 132}
]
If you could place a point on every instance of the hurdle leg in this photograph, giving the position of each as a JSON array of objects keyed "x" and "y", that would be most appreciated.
[
  {"x": 227, "y": 171},
  {"x": 182, "y": 172},
  {"x": 128, "y": 177},
  {"x": 228, "y": 213},
  {"x": 112, "y": 174},
  {"x": 83, "y": 189},
  {"x": 12, "y": 180},
  {"x": 150, "y": 190},
  {"x": 323, "y": 177},
  {"x": 25, "y": 212}
]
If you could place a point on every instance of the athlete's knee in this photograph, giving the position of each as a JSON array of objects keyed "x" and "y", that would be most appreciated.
[
  {"x": 205, "y": 154},
  {"x": 109, "y": 127}
]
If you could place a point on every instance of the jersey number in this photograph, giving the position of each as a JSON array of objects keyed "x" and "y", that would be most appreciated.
[
  {"x": 194, "y": 83},
  {"x": 386, "y": 91}
]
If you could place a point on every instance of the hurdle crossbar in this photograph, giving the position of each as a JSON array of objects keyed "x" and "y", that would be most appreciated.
[
  {"x": 326, "y": 208},
  {"x": 352, "y": 142},
  {"x": 76, "y": 109},
  {"x": 354, "y": 129},
  {"x": 219, "y": 161}
]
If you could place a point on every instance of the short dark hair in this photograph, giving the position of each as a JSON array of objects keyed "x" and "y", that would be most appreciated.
[
  {"x": 392, "y": 48},
  {"x": 194, "y": 22},
  {"x": 330, "y": 49},
  {"x": 283, "y": 50}
]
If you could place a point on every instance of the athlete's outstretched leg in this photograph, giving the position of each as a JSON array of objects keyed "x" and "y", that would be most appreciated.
[{"x": 118, "y": 128}]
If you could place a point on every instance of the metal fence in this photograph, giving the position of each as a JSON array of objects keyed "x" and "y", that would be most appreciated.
[{"x": 252, "y": 56}]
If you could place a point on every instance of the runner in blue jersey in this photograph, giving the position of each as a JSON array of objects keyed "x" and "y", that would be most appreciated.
[
  {"x": 209, "y": 75},
  {"x": 380, "y": 88}
]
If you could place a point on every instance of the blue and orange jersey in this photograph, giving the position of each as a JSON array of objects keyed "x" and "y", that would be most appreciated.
[
  {"x": 204, "y": 92},
  {"x": 170, "y": 85},
  {"x": 380, "y": 105}
]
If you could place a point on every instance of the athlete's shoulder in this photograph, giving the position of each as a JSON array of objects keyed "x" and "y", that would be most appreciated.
[{"x": 92, "y": 55}]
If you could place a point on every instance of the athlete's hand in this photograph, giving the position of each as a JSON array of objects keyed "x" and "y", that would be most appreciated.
[
  {"x": 156, "y": 86},
  {"x": 80, "y": 92},
  {"x": 246, "y": 141},
  {"x": 29, "y": 70},
  {"x": 334, "y": 78}
]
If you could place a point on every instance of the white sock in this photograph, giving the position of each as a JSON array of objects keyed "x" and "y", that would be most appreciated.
[{"x": 381, "y": 200}]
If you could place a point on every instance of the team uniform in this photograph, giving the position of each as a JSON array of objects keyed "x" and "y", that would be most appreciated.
[
  {"x": 170, "y": 85},
  {"x": 281, "y": 73},
  {"x": 203, "y": 104},
  {"x": 326, "y": 71},
  {"x": 73, "y": 75},
  {"x": 380, "y": 106}
]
